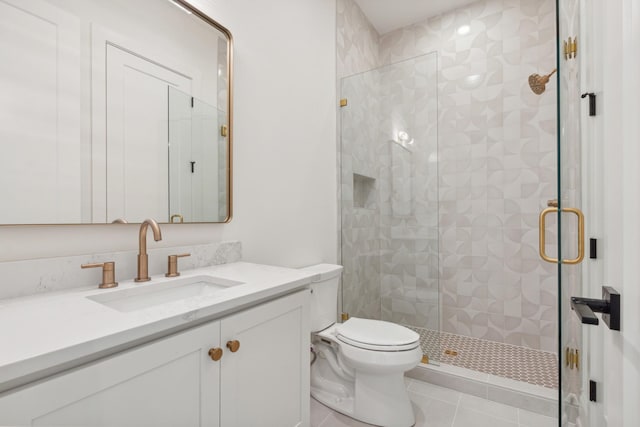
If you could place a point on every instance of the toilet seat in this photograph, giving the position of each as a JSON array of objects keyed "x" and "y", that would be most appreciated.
[{"x": 377, "y": 335}]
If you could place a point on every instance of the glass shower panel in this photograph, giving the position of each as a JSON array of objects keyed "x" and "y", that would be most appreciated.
[
  {"x": 223, "y": 164},
  {"x": 206, "y": 151},
  {"x": 409, "y": 203},
  {"x": 573, "y": 361},
  {"x": 360, "y": 195},
  {"x": 389, "y": 175},
  {"x": 197, "y": 159}
]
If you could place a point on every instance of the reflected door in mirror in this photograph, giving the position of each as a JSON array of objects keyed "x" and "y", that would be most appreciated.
[
  {"x": 84, "y": 112},
  {"x": 197, "y": 154},
  {"x": 39, "y": 114},
  {"x": 137, "y": 136}
]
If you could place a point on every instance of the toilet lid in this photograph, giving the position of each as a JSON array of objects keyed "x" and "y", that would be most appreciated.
[{"x": 377, "y": 335}]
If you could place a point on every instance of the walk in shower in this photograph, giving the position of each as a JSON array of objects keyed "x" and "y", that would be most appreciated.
[{"x": 447, "y": 158}]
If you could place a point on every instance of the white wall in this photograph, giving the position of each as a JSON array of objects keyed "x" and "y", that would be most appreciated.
[
  {"x": 620, "y": 107},
  {"x": 284, "y": 146}
]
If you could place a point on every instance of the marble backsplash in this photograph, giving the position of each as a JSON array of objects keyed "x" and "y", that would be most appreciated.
[{"x": 36, "y": 276}]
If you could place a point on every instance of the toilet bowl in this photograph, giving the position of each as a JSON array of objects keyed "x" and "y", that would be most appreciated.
[{"x": 358, "y": 366}]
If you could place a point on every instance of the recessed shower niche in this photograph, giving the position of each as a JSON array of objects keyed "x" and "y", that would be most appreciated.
[{"x": 364, "y": 192}]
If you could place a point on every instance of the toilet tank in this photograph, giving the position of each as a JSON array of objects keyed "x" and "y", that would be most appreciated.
[{"x": 324, "y": 294}]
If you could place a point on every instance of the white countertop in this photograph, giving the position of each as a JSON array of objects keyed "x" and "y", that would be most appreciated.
[{"x": 42, "y": 334}]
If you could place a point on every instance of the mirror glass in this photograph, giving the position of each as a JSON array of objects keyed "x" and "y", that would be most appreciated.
[{"x": 113, "y": 110}]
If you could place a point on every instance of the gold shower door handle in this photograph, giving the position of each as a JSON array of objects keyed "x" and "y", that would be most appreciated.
[{"x": 542, "y": 238}]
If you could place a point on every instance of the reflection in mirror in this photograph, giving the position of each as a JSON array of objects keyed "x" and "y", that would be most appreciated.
[
  {"x": 197, "y": 159},
  {"x": 108, "y": 114}
]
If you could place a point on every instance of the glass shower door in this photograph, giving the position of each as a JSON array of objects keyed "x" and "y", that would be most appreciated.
[
  {"x": 198, "y": 160},
  {"x": 572, "y": 189},
  {"x": 389, "y": 201}
]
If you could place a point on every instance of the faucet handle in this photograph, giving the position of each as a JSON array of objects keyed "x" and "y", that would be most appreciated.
[
  {"x": 173, "y": 265},
  {"x": 108, "y": 273}
]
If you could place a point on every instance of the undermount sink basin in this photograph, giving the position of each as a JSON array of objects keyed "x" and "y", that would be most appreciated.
[{"x": 126, "y": 300}]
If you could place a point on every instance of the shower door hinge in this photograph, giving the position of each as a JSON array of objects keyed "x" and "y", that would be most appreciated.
[
  {"x": 343, "y": 102},
  {"x": 570, "y": 48},
  {"x": 344, "y": 317},
  {"x": 572, "y": 358},
  {"x": 223, "y": 131}
]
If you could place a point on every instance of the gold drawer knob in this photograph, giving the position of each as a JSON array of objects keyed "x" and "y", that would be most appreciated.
[
  {"x": 215, "y": 354},
  {"x": 233, "y": 345}
]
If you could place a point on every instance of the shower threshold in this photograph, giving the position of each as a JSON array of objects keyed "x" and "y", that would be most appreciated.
[{"x": 533, "y": 398}]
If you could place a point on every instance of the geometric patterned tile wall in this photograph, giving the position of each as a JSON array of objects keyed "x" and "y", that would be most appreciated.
[
  {"x": 496, "y": 161},
  {"x": 357, "y": 47},
  {"x": 357, "y": 41},
  {"x": 497, "y": 165}
]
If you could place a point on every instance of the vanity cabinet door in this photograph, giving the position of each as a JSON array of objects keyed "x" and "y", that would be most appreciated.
[
  {"x": 265, "y": 382},
  {"x": 169, "y": 382}
]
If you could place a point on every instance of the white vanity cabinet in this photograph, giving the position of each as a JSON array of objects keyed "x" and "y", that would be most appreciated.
[{"x": 173, "y": 381}]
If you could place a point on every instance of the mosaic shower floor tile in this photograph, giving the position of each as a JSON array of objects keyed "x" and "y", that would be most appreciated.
[{"x": 495, "y": 358}]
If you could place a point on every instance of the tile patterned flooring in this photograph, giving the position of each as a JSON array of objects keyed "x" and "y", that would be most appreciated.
[
  {"x": 436, "y": 406},
  {"x": 503, "y": 360}
]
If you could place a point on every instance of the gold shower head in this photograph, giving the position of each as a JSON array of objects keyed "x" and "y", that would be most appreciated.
[{"x": 538, "y": 82}]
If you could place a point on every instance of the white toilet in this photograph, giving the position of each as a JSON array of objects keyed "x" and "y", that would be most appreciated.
[{"x": 358, "y": 366}]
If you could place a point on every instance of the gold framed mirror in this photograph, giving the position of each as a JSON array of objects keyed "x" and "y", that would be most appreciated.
[{"x": 109, "y": 116}]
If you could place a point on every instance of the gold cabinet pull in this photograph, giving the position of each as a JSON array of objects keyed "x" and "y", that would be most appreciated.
[
  {"x": 233, "y": 345},
  {"x": 215, "y": 354},
  {"x": 542, "y": 235},
  {"x": 179, "y": 217}
]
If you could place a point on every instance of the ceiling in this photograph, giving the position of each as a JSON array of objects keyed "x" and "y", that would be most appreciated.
[{"x": 389, "y": 15}]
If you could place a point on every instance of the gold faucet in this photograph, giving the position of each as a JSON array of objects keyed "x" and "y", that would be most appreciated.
[{"x": 143, "y": 258}]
